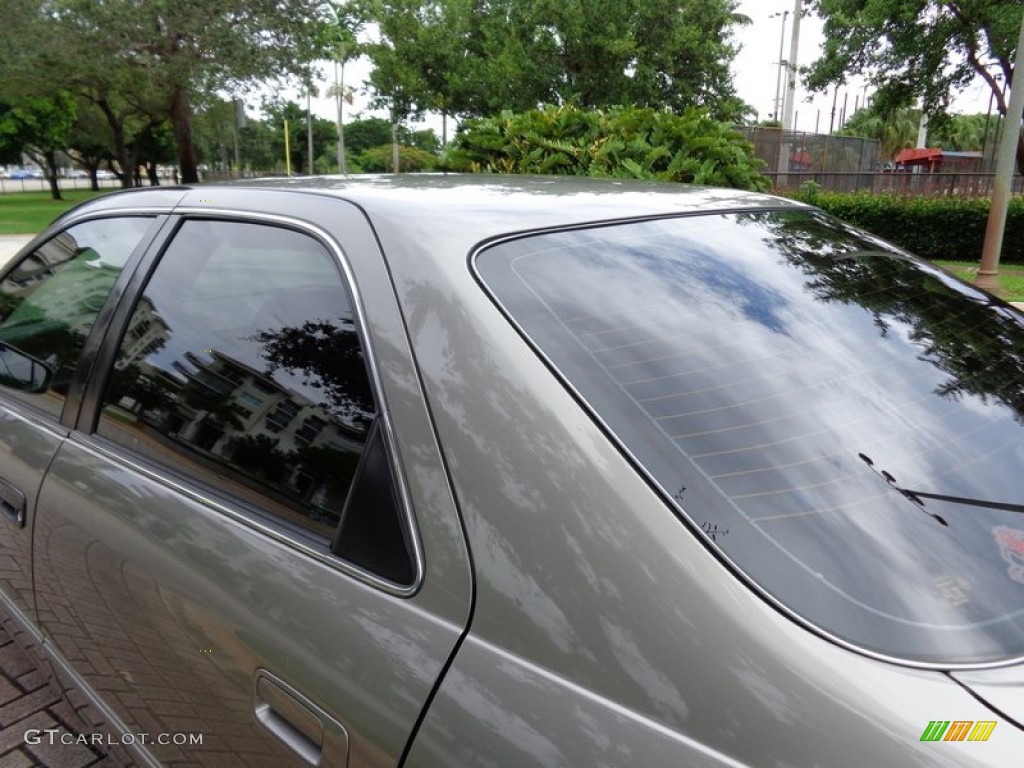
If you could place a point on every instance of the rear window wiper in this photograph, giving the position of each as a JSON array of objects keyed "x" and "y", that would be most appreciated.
[{"x": 917, "y": 496}]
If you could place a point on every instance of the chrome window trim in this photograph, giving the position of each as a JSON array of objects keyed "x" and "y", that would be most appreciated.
[
  {"x": 664, "y": 493},
  {"x": 384, "y": 414},
  {"x": 142, "y": 210},
  {"x": 17, "y": 409}
]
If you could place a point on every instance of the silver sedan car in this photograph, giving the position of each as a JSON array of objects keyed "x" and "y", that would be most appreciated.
[{"x": 485, "y": 471}]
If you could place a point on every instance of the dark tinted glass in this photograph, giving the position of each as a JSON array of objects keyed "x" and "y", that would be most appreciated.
[
  {"x": 372, "y": 534},
  {"x": 241, "y": 367},
  {"x": 50, "y": 301},
  {"x": 843, "y": 422}
]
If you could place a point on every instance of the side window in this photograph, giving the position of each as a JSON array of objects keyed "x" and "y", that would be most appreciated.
[
  {"x": 241, "y": 368},
  {"x": 50, "y": 301}
]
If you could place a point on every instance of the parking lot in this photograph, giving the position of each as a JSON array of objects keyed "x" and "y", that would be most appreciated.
[{"x": 8, "y": 186}]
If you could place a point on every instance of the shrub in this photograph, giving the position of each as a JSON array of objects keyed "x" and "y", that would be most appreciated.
[
  {"x": 621, "y": 142},
  {"x": 410, "y": 160},
  {"x": 933, "y": 227}
]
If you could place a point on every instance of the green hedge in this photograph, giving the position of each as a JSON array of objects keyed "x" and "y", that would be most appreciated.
[
  {"x": 933, "y": 227},
  {"x": 410, "y": 159}
]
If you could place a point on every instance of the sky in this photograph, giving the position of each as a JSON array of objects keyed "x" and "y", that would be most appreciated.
[
  {"x": 755, "y": 73},
  {"x": 755, "y": 68}
]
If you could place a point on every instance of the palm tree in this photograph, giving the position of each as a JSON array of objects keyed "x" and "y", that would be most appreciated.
[{"x": 895, "y": 131}]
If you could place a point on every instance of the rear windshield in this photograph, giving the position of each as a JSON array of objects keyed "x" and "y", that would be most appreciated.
[{"x": 844, "y": 422}]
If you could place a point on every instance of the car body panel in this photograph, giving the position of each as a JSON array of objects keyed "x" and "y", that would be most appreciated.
[
  {"x": 27, "y": 447},
  {"x": 479, "y": 717},
  {"x": 169, "y": 609},
  {"x": 199, "y": 604},
  {"x": 566, "y": 615},
  {"x": 524, "y": 457},
  {"x": 30, "y": 438},
  {"x": 1002, "y": 689},
  {"x": 720, "y": 655}
]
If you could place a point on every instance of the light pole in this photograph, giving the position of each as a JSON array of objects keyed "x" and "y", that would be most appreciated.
[
  {"x": 791, "y": 65},
  {"x": 777, "y": 104},
  {"x": 339, "y": 87},
  {"x": 988, "y": 271},
  {"x": 309, "y": 128}
]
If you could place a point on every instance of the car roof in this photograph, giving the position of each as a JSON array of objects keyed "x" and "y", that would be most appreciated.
[{"x": 477, "y": 206}]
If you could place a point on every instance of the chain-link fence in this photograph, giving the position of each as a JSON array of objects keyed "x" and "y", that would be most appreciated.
[
  {"x": 848, "y": 164},
  {"x": 810, "y": 152},
  {"x": 903, "y": 182}
]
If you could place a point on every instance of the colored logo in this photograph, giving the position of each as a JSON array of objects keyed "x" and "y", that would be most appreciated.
[{"x": 958, "y": 730}]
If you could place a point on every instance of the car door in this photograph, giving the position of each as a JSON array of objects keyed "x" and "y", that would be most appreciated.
[
  {"x": 233, "y": 545},
  {"x": 50, "y": 300}
]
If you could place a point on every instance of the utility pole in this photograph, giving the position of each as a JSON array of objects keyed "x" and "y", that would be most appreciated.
[
  {"x": 922, "y": 130},
  {"x": 394, "y": 145},
  {"x": 287, "y": 151},
  {"x": 832, "y": 118},
  {"x": 339, "y": 88},
  {"x": 988, "y": 272},
  {"x": 791, "y": 65},
  {"x": 239, "y": 123},
  {"x": 777, "y": 104},
  {"x": 309, "y": 127}
]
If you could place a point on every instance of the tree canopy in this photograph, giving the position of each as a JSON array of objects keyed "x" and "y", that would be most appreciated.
[
  {"x": 150, "y": 61},
  {"x": 40, "y": 126},
  {"x": 926, "y": 50},
  {"x": 476, "y": 58}
]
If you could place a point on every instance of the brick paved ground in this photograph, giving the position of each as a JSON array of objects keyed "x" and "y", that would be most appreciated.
[{"x": 26, "y": 702}]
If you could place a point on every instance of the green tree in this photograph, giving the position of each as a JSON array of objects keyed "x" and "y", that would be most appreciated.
[
  {"x": 40, "y": 127},
  {"x": 895, "y": 131},
  {"x": 153, "y": 147},
  {"x": 325, "y": 133},
  {"x": 361, "y": 135},
  {"x": 156, "y": 58},
  {"x": 467, "y": 57},
  {"x": 961, "y": 132},
  {"x": 89, "y": 141},
  {"x": 214, "y": 130},
  {"x": 919, "y": 49},
  {"x": 411, "y": 159},
  {"x": 258, "y": 144},
  {"x": 260, "y": 455}
]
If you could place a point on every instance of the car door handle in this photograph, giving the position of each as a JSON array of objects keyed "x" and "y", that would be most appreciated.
[
  {"x": 12, "y": 502},
  {"x": 301, "y": 725}
]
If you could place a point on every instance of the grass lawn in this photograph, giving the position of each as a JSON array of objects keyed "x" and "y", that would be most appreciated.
[
  {"x": 1011, "y": 277},
  {"x": 25, "y": 213}
]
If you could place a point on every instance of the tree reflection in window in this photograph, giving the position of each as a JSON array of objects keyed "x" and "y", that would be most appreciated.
[
  {"x": 241, "y": 367},
  {"x": 329, "y": 359},
  {"x": 981, "y": 350},
  {"x": 49, "y": 302}
]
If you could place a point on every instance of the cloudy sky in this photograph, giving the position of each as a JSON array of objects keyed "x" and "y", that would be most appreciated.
[
  {"x": 755, "y": 73},
  {"x": 756, "y": 67}
]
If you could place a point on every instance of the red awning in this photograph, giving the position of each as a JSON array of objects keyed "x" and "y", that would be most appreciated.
[{"x": 923, "y": 155}]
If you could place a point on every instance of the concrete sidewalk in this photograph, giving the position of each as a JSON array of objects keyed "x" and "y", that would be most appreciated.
[{"x": 10, "y": 245}]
